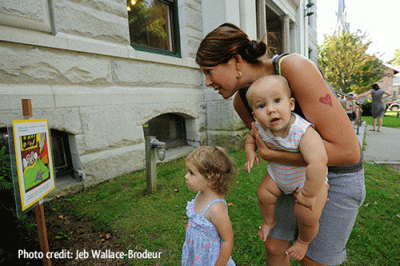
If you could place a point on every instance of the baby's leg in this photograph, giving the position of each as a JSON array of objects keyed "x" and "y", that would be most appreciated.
[
  {"x": 308, "y": 224},
  {"x": 267, "y": 193}
]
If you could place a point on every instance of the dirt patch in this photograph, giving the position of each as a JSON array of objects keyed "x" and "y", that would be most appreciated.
[{"x": 68, "y": 234}]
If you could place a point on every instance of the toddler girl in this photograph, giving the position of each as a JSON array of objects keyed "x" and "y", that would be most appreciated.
[{"x": 209, "y": 235}]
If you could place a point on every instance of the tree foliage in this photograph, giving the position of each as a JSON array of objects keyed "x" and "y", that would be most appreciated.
[
  {"x": 148, "y": 24},
  {"x": 396, "y": 60},
  {"x": 345, "y": 63}
]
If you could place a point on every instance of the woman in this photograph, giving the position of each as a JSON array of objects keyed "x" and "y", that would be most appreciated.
[
  {"x": 230, "y": 63},
  {"x": 378, "y": 105}
]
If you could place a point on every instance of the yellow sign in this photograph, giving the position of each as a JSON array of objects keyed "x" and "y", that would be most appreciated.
[{"x": 34, "y": 160}]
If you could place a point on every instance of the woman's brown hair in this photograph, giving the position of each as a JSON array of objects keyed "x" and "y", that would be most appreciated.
[{"x": 226, "y": 41}]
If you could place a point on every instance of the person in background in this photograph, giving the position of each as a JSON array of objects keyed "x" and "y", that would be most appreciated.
[
  {"x": 378, "y": 104},
  {"x": 351, "y": 108}
]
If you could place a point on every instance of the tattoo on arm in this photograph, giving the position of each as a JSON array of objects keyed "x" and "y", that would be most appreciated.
[{"x": 326, "y": 100}]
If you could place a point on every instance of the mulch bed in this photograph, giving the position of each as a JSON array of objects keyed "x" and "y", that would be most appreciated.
[{"x": 65, "y": 234}]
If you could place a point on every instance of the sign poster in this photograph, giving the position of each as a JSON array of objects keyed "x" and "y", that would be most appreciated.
[{"x": 34, "y": 160}]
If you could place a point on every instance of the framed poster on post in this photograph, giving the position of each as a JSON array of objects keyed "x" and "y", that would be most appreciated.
[{"x": 33, "y": 160}]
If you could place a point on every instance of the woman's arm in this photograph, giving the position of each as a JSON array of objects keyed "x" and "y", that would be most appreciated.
[
  {"x": 364, "y": 94},
  {"x": 387, "y": 93},
  {"x": 322, "y": 108},
  {"x": 270, "y": 155}
]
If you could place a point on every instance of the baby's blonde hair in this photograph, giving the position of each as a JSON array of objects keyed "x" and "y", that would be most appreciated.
[{"x": 216, "y": 167}]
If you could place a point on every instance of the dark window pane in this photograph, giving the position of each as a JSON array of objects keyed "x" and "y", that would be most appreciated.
[{"x": 169, "y": 128}]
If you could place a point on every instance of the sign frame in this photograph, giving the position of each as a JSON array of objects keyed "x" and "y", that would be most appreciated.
[{"x": 34, "y": 160}]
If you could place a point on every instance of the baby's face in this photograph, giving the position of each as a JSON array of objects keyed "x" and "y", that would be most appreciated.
[{"x": 272, "y": 107}]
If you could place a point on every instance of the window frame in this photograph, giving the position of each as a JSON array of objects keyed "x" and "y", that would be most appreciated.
[{"x": 175, "y": 36}]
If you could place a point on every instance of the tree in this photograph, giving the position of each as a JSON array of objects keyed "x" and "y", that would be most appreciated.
[
  {"x": 396, "y": 60},
  {"x": 345, "y": 63}
]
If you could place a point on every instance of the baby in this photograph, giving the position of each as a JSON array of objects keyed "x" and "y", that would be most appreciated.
[{"x": 270, "y": 99}]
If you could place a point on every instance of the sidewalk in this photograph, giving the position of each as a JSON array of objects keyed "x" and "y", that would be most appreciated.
[{"x": 380, "y": 147}]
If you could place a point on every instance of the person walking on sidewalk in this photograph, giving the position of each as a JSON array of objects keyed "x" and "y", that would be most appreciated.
[{"x": 378, "y": 104}]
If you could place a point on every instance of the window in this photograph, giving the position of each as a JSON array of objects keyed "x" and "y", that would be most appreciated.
[
  {"x": 275, "y": 31},
  {"x": 153, "y": 25},
  {"x": 61, "y": 153},
  {"x": 169, "y": 128}
]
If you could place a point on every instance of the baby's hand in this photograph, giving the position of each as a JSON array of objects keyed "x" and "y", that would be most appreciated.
[
  {"x": 251, "y": 157},
  {"x": 308, "y": 202}
]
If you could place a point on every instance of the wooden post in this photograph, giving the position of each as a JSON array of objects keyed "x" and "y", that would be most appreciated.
[
  {"x": 151, "y": 170},
  {"x": 39, "y": 209}
]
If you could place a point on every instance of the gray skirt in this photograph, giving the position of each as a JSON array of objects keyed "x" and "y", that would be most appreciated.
[
  {"x": 378, "y": 109},
  {"x": 346, "y": 194}
]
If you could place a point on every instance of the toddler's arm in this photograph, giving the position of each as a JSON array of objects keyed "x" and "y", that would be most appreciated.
[
  {"x": 220, "y": 218},
  {"x": 313, "y": 150}
]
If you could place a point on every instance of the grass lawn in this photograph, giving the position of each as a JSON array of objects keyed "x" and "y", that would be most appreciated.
[
  {"x": 156, "y": 222},
  {"x": 389, "y": 120}
]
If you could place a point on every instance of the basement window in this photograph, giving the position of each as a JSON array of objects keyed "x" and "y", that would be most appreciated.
[
  {"x": 61, "y": 153},
  {"x": 169, "y": 128}
]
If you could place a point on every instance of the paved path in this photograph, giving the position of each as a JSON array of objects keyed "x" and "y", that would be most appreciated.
[{"x": 382, "y": 147}]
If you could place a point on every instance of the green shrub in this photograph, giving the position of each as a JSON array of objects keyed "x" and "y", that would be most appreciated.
[
  {"x": 367, "y": 108},
  {"x": 5, "y": 170}
]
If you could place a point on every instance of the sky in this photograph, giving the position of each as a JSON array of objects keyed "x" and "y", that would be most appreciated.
[{"x": 379, "y": 19}]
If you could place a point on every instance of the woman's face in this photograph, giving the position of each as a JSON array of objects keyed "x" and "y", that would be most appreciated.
[{"x": 222, "y": 78}]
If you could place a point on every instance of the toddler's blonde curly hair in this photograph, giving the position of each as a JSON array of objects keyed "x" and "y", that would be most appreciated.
[{"x": 216, "y": 166}]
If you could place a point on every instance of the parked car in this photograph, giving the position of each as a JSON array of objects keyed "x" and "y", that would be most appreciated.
[{"x": 394, "y": 106}]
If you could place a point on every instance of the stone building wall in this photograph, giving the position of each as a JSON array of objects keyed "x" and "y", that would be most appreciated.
[
  {"x": 84, "y": 76},
  {"x": 74, "y": 60}
]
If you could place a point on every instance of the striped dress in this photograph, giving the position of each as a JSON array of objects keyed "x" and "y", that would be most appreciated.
[{"x": 288, "y": 178}]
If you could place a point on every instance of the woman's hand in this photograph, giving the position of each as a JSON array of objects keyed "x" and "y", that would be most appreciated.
[
  {"x": 262, "y": 147},
  {"x": 308, "y": 202},
  {"x": 298, "y": 198}
]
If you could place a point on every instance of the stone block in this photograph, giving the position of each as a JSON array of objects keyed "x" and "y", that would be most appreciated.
[
  {"x": 84, "y": 20},
  {"x": 222, "y": 116},
  {"x": 11, "y": 95},
  {"x": 22, "y": 64},
  {"x": 230, "y": 140},
  {"x": 139, "y": 73},
  {"x": 105, "y": 165},
  {"x": 63, "y": 119},
  {"x": 107, "y": 127}
]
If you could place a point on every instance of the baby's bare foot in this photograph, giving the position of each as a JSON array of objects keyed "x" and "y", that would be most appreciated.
[
  {"x": 264, "y": 230},
  {"x": 298, "y": 250}
]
